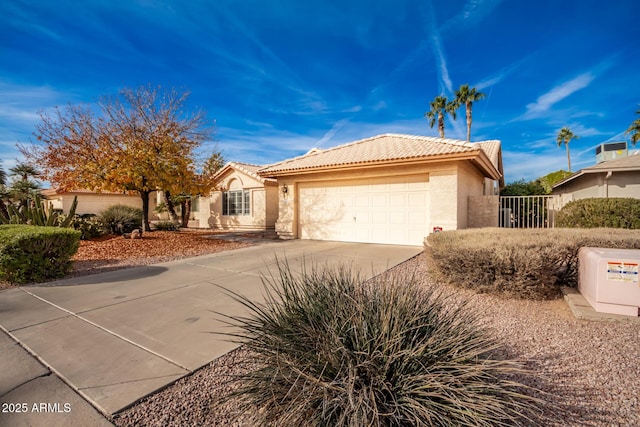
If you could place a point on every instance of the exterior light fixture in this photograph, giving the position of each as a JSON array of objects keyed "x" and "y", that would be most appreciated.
[{"x": 285, "y": 189}]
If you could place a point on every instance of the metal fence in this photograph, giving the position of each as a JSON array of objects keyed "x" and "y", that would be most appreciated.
[{"x": 527, "y": 211}]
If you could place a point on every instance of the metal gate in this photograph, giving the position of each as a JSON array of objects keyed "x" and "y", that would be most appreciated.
[{"x": 527, "y": 211}]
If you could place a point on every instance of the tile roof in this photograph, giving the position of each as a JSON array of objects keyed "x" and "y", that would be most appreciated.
[
  {"x": 629, "y": 163},
  {"x": 383, "y": 148},
  {"x": 55, "y": 191},
  {"x": 247, "y": 169}
]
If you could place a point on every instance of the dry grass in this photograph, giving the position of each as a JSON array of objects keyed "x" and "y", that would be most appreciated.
[{"x": 530, "y": 264}]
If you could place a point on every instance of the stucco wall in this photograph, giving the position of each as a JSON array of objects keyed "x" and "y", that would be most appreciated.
[
  {"x": 443, "y": 203},
  {"x": 624, "y": 184},
  {"x": 620, "y": 184},
  {"x": 470, "y": 183},
  {"x": 95, "y": 203},
  {"x": 264, "y": 204},
  {"x": 483, "y": 211}
]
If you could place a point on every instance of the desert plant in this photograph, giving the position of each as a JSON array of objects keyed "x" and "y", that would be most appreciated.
[
  {"x": 331, "y": 350},
  {"x": 522, "y": 263},
  {"x": 89, "y": 225},
  {"x": 601, "y": 212},
  {"x": 166, "y": 226},
  {"x": 120, "y": 219},
  {"x": 33, "y": 254},
  {"x": 35, "y": 213}
]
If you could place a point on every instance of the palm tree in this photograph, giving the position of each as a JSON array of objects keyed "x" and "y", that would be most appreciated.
[
  {"x": 439, "y": 107},
  {"x": 467, "y": 96},
  {"x": 564, "y": 137},
  {"x": 634, "y": 130},
  {"x": 24, "y": 171},
  {"x": 25, "y": 187},
  {"x": 3, "y": 193}
]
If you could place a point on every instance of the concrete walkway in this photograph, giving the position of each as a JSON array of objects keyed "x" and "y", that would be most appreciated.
[{"x": 118, "y": 336}]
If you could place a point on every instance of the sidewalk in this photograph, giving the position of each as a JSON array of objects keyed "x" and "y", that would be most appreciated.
[{"x": 31, "y": 395}]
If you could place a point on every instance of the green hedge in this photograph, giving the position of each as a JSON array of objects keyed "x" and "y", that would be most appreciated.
[
  {"x": 35, "y": 254},
  {"x": 531, "y": 264},
  {"x": 594, "y": 213}
]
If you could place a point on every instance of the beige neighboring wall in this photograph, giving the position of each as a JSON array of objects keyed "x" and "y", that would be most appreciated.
[
  {"x": 619, "y": 184},
  {"x": 613, "y": 178},
  {"x": 264, "y": 202},
  {"x": 95, "y": 203}
]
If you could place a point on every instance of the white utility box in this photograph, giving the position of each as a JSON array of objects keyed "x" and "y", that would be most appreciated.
[{"x": 608, "y": 279}]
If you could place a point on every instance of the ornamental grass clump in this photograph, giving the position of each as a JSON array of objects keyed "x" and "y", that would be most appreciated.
[
  {"x": 121, "y": 219},
  {"x": 331, "y": 350}
]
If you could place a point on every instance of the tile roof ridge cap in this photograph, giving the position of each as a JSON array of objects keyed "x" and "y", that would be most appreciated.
[
  {"x": 247, "y": 164},
  {"x": 252, "y": 174}
]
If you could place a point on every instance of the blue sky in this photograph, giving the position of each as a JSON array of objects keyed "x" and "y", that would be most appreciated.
[{"x": 281, "y": 77}]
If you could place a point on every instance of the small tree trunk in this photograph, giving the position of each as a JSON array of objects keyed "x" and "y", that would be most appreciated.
[
  {"x": 568, "y": 156},
  {"x": 3, "y": 209},
  {"x": 468, "y": 123},
  {"x": 441, "y": 124},
  {"x": 170, "y": 207},
  {"x": 186, "y": 211},
  {"x": 145, "y": 210}
]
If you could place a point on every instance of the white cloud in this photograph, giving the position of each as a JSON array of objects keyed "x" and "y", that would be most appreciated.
[
  {"x": 558, "y": 93},
  {"x": 354, "y": 109},
  {"x": 438, "y": 51},
  {"x": 472, "y": 12}
]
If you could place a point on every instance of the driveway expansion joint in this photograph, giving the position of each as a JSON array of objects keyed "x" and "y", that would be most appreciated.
[{"x": 112, "y": 333}]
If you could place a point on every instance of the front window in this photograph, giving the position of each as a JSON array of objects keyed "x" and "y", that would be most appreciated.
[{"x": 237, "y": 202}]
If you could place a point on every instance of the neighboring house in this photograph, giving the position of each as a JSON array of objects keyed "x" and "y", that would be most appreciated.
[
  {"x": 243, "y": 200},
  {"x": 390, "y": 188},
  {"x": 613, "y": 178},
  {"x": 90, "y": 202}
]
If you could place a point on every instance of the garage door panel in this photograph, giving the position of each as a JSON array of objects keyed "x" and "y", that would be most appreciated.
[
  {"x": 379, "y": 201},
  {"x": 379, "y": 218},
  {"x": 362, "y": 201},
  {"x": 390, "y": 210},
  {"x": 417, "y": 200},
  {"x": 398, "y": 200},
  {"x": 416, "y": 218}
]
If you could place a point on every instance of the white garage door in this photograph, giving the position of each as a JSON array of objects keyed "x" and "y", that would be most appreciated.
[{"x": 389, "y": 210}]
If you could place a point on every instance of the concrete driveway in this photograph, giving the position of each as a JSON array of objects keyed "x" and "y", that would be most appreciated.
[{"x": 116, "y": 337}]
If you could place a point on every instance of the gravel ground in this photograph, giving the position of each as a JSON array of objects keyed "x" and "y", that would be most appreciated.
[
  {"x": 115, "y": 252},
  {"x": 589, "y": 370}
]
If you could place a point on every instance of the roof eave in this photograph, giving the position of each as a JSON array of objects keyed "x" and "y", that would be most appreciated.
[
  {"x": 478, "y": 156},
  {"x": 594, "y": 171}
]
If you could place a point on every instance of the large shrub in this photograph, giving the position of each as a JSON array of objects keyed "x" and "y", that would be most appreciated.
[
  {"x": 524, "y": 263},
  {"x": 330, "y": 350},
  {"x": 120, "y": 219},
  {"x": 593, "y": 213},
  {"x": 34, "y": 254}
]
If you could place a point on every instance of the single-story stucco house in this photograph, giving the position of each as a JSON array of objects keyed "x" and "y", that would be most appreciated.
[
  {"x": 391, "y": 188},
  {"x": 613, "y": 178},
  {"x": 91, "y": 202},
  {"x": 243, "y": 200}
]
